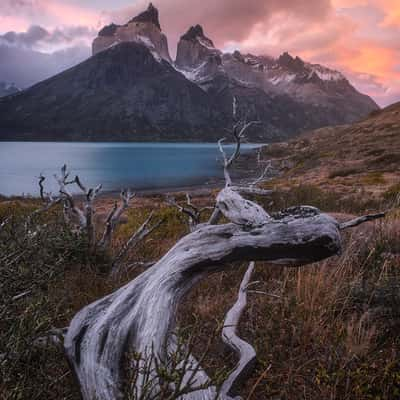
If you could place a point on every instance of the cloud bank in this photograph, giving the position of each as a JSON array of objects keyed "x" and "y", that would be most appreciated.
[{"x": 38, "y": 38}]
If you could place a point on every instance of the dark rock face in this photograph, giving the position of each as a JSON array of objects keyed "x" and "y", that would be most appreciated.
[
  {"x": 196, "y": 32},
  {"x": 293, "y": 64},
  {"x": 150, "y": 15},
  {"x": 194, "y": 49},
  {"x": 108, "y": 30},
  {"x": 122, "y": 93}
]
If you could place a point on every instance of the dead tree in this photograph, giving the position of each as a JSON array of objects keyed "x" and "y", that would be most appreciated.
[
  {"x": 81, "y": 217},
  {"x": 140, "y": 316},
  {"x": 192, "y": 212}
]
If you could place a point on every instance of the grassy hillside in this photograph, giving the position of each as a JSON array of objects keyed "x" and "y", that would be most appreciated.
[{"x": 361, "y": 159}]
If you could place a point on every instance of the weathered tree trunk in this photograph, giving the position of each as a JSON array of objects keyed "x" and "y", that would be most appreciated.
[{"x": 141, "y": 315}]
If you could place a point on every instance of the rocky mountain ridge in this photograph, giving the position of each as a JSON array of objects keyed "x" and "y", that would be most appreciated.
[
  {"x": 285, "y": 95},
  {"x": 201, "y": 62}
]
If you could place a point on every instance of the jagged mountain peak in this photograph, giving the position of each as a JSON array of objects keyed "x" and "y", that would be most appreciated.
[
  {"x": 144, "y": 28},
  {"x": 196, "y": 49},
  {"x": 292, "y": 63},
  {"x": 150, "y": 15},
  {"x": 300, "y": 71},
  {"x": 196, "y": 34},
  {"x": 193, "y": 32}
]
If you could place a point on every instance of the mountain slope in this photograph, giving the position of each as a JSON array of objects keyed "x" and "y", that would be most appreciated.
[
  {"x": 330, "y": 96},
  {"x": 350, "y": 159},
  {"x": 122, "y": 93}
]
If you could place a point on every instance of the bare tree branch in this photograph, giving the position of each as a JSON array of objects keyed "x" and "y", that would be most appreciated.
[
  {"x": 144, "y": 230},
  {"x": 360, "y": 220},
  {"x": 246, "y": 352},
  {"x": 238, "y": 132},
  {"x": 63, "y": 182},
  {"x": 251, "y": 190},
  {"x": 266, "y": 171},
  {"x": 114, "y": 217},
  {"x": 192, "y": 212}
]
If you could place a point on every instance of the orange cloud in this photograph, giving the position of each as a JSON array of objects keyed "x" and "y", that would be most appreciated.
[{"x": 392, "y": 12}]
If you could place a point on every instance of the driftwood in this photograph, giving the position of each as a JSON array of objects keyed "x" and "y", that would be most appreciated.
[{"x": 140, "y": 316}]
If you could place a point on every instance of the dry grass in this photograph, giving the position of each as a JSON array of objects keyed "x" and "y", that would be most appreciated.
[
  {"x": 356, "y": 153},
  {"x": 332, "y": 332}
]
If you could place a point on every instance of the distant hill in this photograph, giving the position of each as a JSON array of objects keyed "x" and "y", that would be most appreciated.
[{"x": 362, "y": 158}]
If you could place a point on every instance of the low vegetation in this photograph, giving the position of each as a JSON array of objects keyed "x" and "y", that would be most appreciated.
[
  {"x": 329, "y": 330},
  {"x": 363, "y": 157}
]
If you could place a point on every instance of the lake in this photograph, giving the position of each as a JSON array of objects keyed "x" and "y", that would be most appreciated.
[{"x": 140, "y": 166}]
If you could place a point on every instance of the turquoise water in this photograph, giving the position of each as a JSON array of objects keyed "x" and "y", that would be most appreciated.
[{"x": 138, "y": 166}]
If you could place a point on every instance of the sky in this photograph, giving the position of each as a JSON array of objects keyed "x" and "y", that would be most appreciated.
[{"x": 361, "y": 38}]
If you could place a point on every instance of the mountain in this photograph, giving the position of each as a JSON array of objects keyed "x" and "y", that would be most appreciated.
[
  {"x": 7, "y": 89},
  {"x": 350, "y": 159},
  {"x": 327, "y": 92},
  {"x": 131, "y": 90},
  {"x": 144, "y": 28},
  {"x": 122, "y": 93},
  {"x": 13, "y": 65}
]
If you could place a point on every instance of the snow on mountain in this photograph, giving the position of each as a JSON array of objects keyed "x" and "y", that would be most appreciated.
[{"x": 324, "y": 73}]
